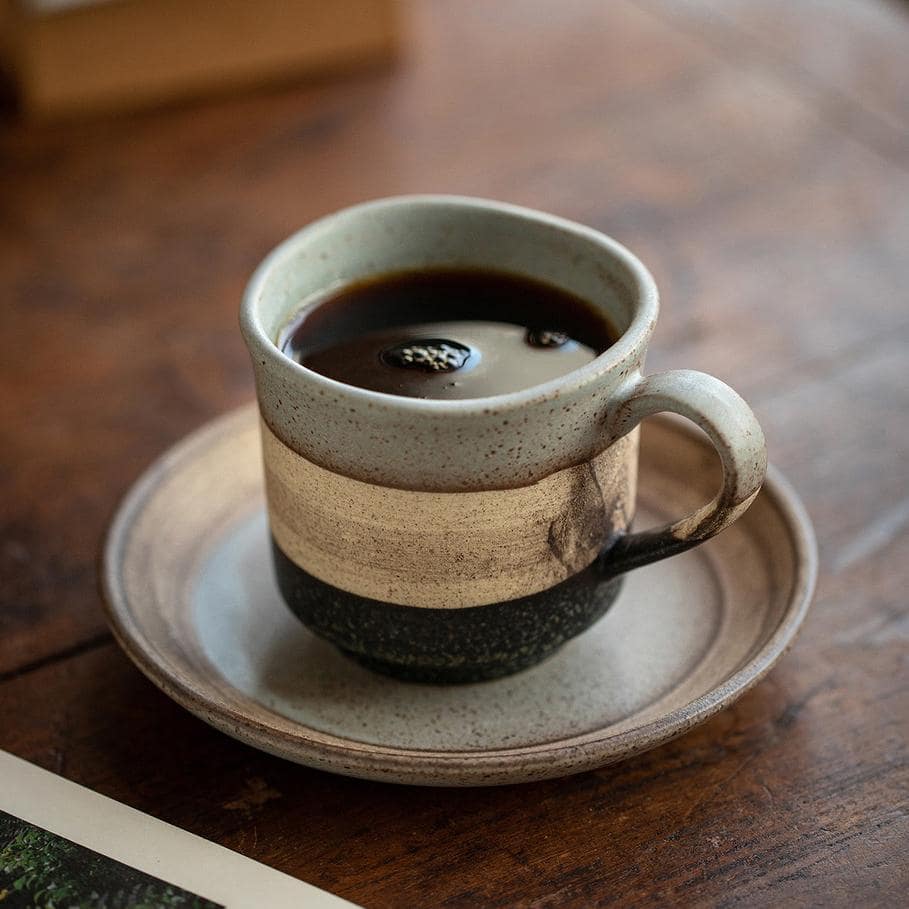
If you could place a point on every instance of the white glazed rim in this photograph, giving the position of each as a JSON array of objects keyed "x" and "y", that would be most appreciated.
[{"x": 629, "y": 346}]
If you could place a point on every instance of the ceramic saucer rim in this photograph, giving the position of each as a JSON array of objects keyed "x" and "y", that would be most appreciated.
[{"x": 302, "y": 743}]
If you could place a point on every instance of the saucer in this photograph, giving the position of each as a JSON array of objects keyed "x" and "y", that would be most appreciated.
[{"x": 192, "y": 600}]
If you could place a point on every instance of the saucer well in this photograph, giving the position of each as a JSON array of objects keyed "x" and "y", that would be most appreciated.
[{"x": 191, "y": 598}]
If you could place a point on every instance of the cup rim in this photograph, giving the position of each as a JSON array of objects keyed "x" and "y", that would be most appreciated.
[{"x": 628, "y": 347}]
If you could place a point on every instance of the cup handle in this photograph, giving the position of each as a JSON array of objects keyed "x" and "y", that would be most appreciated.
[{"x": 738, "y": 439}]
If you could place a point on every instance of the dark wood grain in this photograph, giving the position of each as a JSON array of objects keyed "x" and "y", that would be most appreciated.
[
  {"x": 759, "y": 169},
  {"x": 845, "y": 56}
]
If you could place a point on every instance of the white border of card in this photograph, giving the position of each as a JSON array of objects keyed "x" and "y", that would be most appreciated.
[{"x": 128, "y": 836}]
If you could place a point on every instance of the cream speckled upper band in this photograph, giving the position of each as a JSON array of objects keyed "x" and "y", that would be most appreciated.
[{"x": 444, "y": 445}]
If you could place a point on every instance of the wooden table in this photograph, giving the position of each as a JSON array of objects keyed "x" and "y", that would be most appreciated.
[{"x": 755, "y": 155}]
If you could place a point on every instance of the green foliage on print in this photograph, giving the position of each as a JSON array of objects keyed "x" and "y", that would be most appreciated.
[{"x": 40, "y": 870}]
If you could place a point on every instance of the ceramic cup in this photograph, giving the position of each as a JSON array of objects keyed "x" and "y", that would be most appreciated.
[{"x": 460, "y": 540}]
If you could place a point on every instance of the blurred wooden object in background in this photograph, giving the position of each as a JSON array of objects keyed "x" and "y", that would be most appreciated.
[{"x": 69, "y": 57}]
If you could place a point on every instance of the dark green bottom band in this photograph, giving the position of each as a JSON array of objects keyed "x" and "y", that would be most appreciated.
[{"x": 468, "y": 644}]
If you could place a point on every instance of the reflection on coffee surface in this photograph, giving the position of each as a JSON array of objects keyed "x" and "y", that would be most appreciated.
[{"x": 447, "y": 333}]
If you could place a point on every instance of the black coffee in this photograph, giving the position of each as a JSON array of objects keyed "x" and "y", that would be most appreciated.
[{"x": 447, "y": 333}]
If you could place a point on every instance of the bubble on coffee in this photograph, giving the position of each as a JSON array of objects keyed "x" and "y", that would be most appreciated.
[
  {"x": 411, "y": 333},
  {"x": 429, "y": 355},
  {"x": 546, "y": 337}
]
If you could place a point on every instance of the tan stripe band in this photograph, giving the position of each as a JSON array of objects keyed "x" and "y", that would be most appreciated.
[{"x": 446, "y": 550}]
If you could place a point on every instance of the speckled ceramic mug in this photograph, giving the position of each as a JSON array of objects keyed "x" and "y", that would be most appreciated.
[{"x": 460, "y": 540}]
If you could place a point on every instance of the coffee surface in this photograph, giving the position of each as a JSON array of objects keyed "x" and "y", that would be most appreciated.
[{"x": 447, "y": 333}]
